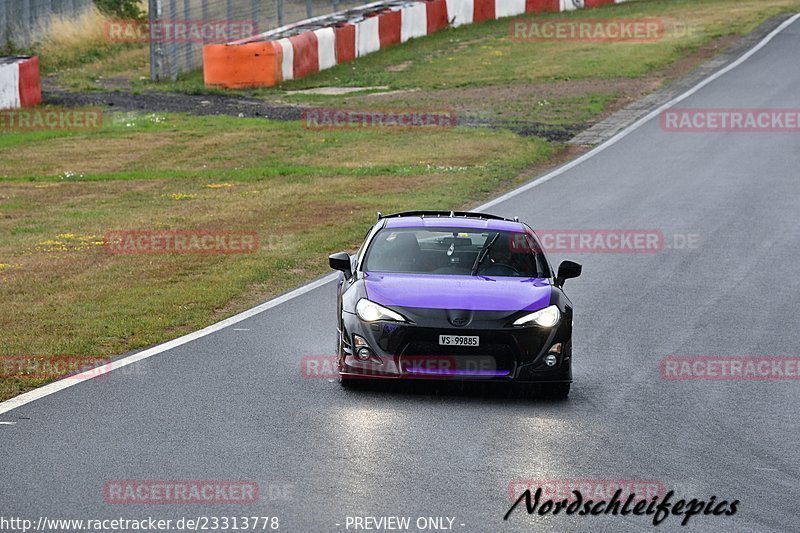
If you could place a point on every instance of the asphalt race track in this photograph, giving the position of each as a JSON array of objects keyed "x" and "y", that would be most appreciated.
[{"x": 233, "y": 405}]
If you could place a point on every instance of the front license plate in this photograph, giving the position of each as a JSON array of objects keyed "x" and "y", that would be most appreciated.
[{"x": 459, "y": 340}]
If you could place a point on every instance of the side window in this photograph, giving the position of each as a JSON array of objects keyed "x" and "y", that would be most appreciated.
[
  {"x": 536, "y": 249},
  {"x": 363, "y": 248}
]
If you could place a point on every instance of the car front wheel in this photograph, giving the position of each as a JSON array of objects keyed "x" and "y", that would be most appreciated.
[{"x": 346, "y": 381}]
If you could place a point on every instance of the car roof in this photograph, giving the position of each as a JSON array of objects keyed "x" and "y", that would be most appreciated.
[{"x": 461, "y": 222}]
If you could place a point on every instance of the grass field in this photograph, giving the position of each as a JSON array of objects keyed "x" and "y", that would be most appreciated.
[
  {"x": 479, "y": 69},
  {"x": 306, "y": 192}
]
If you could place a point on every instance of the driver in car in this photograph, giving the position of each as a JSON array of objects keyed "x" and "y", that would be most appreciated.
[{"x": 501, "y": 260}]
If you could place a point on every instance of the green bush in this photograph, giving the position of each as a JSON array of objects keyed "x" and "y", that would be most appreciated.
[{"x": 124, "y": 9}]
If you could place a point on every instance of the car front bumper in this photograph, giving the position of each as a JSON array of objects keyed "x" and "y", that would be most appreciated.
[{"x": 412, "y": 351}]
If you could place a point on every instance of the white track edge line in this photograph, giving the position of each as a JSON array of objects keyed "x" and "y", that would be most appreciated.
[
  {"x": 65, "y": 383},
  {"x": 636, "y": 125}
]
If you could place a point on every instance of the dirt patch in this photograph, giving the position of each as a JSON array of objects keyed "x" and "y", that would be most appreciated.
[
  {"x": 683, "y": 66},
  {"x": 475, "y": 106},
  {"x": 114, "y": 83},
  {"x": 400, "y": 67},
  {"x": 625, "y": 91},
  {"x": 534, "y": 91},
  {"x": 335, "y": 91},
  {"x": 154, "y": 101}
]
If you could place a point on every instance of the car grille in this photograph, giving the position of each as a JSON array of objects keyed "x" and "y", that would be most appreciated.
[{"x": 420, "y": 357}]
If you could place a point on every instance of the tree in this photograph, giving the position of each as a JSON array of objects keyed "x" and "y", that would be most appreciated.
[{"x": 125, "y": 9}]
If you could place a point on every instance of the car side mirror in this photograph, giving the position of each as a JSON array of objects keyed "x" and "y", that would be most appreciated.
[
  {"x": 566, "y": 270},
  {"x": 341, "y": 261}
]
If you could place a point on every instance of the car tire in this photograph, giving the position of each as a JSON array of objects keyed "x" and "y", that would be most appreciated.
[
  {"x": 555, "y": 391},
  {"x": 343, "y": 381}
]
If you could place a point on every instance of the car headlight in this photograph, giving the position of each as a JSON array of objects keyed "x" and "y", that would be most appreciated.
[
  {"x": 547, "y": 317},
  {"x": 370, "y": 312}
]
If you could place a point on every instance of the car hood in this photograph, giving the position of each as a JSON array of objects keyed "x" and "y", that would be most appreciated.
[{"x": 474, "y": 293}]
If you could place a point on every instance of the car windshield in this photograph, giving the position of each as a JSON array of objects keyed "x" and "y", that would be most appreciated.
[{"x": 456, "y": 251}]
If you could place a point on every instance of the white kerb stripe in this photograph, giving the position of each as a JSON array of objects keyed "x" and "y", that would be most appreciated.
[
  {"x": 9, "y": 86},
  {"x": 508, "y": 8},
  {"x": 287, "y": 64},
  {"x": 570, "y": 5},
  {"x": 368, "y": 38},
  {"x": 460, "y": 12},
  {"x": 414, "y": 21},
  {"x": 326, "y": 47}
]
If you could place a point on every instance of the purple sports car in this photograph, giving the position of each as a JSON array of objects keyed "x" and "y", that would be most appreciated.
[{"x": 453, "y": 295}]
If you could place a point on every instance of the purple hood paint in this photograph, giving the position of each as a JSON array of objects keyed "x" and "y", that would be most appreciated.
[{"x": 474, "y": 293}]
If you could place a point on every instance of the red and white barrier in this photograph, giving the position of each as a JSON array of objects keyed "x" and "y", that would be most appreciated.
[
  {"x": 9, "y": 85},
  {"x": 436, "y": 10},
  {"x": 287, "y": 59},
  {"x": 570, "y": 5},
  {"x": 307, "y": 52},
  {"x": 345, "y": 43},
  {"x": 508, "y": 8},
  {"x": 389, "y": 27},
  {"x": 368, "y": 36},
  {"x": 326, "y": 43},
  {"x": 459, "y": 12},
  {"x": 414, "y": 21},
  {"x": 20, "y": 85}
]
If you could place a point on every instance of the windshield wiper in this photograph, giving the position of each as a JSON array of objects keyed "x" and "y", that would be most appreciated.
[{"x": 482, "y": 254}]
